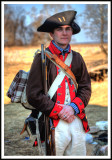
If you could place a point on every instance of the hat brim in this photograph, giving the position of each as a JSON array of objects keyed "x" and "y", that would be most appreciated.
[
  {"x": 76, "y": 28},
  {"x": 50, "y": 28}
]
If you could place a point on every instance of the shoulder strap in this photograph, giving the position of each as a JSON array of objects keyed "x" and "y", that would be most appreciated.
[
  {"x": 63, "y": 66},
  {"x": 59, "y": 78}
]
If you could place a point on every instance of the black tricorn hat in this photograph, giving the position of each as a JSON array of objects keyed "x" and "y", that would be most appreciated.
[{"x": 60, "y": 19}]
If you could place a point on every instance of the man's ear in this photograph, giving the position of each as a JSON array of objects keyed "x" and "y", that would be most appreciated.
[{"x": 51, "y": 34}]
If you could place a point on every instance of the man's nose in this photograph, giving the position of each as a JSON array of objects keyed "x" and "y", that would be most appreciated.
[{"x": 64, "y": 31}]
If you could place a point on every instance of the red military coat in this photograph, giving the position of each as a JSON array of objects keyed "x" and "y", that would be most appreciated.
[{"x": 50, "y": 107}]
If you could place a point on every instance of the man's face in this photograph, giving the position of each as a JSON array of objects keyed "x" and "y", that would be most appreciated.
[{"x": 62, "y": 35}]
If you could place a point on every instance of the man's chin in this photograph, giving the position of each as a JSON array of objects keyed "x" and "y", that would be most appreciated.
[{"x": 64, "y": 42}]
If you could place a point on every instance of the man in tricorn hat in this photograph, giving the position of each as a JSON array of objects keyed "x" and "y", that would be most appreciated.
[{"x": 66, "y": 107}]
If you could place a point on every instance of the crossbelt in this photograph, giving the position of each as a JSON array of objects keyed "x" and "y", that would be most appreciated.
[
  {"x": 65, "y": 68},
  {"x": 59, "y": 77}
]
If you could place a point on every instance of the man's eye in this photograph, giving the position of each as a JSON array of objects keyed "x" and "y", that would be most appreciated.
[
  {"x": 59, "y": 29},
  {"x": 68, "y": 29}
]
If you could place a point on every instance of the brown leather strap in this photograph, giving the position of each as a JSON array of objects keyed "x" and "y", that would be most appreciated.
[{"x": 63, "y": 66}]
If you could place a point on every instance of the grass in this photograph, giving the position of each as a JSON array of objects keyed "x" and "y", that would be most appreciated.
[{"x": 96, "y": 113}]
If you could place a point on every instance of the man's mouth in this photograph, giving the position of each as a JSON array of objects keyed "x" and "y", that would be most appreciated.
[{"x": 64, "y": 38}]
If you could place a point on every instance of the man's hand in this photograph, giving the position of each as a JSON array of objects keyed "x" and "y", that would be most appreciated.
[{"x": 67, "y": 113}]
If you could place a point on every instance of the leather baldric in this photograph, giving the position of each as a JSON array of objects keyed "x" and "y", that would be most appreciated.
[{"x": 65, "y": 70}]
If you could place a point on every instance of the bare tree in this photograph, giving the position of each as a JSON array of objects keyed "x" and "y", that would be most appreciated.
[
  {"x": 8, "y": 26},
  {"x": 95, "y": 23},
  {"x": 14, "y": 25},
  {"x": 50, "y": 9}
]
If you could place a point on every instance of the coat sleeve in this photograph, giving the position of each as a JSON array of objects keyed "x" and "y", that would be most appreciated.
[
  {"x": 35, "y": 92},
  {"x": 84, "y": 82}
]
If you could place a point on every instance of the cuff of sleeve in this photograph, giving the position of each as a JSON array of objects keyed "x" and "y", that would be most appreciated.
[
  {"x": 74, "y": 106},
  {"x": 54, "y": 113},
  {"x": 79, "y": 103}
]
